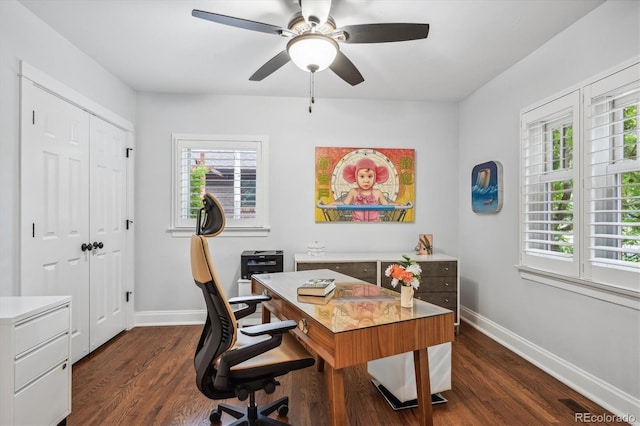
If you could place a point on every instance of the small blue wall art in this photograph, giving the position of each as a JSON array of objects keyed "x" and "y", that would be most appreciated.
[{"x": 486, "y": 187}]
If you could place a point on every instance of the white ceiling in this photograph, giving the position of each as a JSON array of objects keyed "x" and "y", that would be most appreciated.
[{"x": 157, "y": 46}]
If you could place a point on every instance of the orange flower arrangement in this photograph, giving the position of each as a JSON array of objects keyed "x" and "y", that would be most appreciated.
[{"x": 406, "y": 272}]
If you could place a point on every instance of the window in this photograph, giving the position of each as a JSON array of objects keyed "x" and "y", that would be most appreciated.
[
  {"x": 580, "y": 188},
  {"x": 231, "y": 168},
  {"x": 612, "y": 177},
  {"x": 549, "y": 222}
]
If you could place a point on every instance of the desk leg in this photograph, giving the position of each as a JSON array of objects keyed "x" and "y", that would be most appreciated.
[
  {"x": 337, "y": 410},
  {"x": 423, "y": 384},
  {"x": 266, "y": 315}
]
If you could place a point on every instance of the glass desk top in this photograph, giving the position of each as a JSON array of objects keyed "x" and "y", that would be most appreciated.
[{"x": 352, "y": 305}]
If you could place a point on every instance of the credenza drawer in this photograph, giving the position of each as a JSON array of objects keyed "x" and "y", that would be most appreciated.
[
  {"x": 41, "y": 328},
  {"x": 365, "y": 271},
  {"x": 438, "y": 269},
  {"x": 428, "y": 284},
  {"x": 45, "y": 399},
  {"x": 445, "y": 299},
  {"x": 431, "y": 269},
  {"x": 34, "y": 364},
  {"x": 446, "y": 283}
]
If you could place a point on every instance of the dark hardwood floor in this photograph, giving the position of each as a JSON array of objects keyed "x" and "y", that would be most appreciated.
[{"x": 145, "y": 377}]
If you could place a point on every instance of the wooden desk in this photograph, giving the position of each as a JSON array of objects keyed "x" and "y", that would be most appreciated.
[{"x": 362, "y": 322}]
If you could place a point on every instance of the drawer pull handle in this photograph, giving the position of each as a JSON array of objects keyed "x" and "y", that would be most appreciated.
[
  {"x": 64, "y": 366},
  {"x": 303, "y": 325},
  {"x": 446, "y": 284},
  {"x": 446, "y": 300},
  {"x": 446, "y": 268}
]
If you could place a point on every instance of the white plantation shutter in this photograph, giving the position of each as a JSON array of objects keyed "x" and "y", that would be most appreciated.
[
  {"x": 612, "y": 179},
  {"x": 233, "y": 169},
  {"x": 549, "y": 224},
  {"x": 580, "y": 189}
]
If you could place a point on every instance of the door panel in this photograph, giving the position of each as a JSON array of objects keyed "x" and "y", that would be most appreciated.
[
  {"x": 107, "y": 219},
  {"x": 55, "y": 205}
]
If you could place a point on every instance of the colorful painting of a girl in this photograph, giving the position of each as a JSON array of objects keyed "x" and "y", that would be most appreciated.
[
  {"x": 364, "y": 184},
  {"x": 365, "y": 174}
]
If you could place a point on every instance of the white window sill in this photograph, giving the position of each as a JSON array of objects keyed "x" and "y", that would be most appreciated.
[
  {"x": 608, "y": 293},
  {"x": 228, "y": 232}
]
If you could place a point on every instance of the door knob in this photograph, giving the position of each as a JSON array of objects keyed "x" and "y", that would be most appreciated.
[
  {"x": 85, "y": 247},
  {"x": 97, "y": 245}
]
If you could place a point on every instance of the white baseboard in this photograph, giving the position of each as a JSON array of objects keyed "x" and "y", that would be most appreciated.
[
  {"x": 152, "y": 318},
  {"x": 602, "y": 393}
]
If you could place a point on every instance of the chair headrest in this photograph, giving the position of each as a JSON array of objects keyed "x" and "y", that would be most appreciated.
[{"x": 210, "y": 220}]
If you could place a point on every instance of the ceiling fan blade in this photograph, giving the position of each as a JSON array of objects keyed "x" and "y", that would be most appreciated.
[
  {"x": 345, "y": 69},
  {"x": 271, "y": 66},
  {"x": 384, "y": 33},
  {"x": 315, "y": 10},
  {"x": 238, "y": 22}
]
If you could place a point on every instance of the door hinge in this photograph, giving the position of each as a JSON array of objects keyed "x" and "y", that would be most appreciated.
[
  {"x": 128, "y": 222},
  {"x": 128, "y": 150},
  {"x": 128, "y": 295}
]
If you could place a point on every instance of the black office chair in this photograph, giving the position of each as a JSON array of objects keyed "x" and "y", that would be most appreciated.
[{"x": 231, "y": 361}]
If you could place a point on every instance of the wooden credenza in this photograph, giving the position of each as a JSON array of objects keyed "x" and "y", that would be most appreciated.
[{"x": 440, "y": 273}]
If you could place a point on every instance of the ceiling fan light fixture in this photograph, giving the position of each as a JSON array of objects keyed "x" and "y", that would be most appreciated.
[{"x": 312, "y": 52}]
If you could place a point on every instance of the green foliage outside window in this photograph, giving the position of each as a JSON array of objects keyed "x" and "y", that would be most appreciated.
[
  {"x": 562, "y": 191},
  {"x": 197, "y": 182},
  {"x": 630, "y": 189}
]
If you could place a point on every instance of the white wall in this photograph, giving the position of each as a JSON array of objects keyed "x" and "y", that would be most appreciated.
[
  {"x": 598, "y": 337},
  {"x": 163, "y": 275},
  {"x": 25, "y": 37}
]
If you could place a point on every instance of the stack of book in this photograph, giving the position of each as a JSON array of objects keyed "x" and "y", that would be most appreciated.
[{"x": 316, "y": 290}]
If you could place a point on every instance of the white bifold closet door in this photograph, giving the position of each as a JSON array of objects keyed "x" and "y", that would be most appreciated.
[{"x": 73, "y": 193}]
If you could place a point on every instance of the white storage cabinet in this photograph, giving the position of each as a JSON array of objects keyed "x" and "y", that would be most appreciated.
[{"x": 35, "y": 363}]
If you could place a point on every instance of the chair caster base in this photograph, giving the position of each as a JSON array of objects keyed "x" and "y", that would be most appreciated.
[{"x": 254, "y": 416}]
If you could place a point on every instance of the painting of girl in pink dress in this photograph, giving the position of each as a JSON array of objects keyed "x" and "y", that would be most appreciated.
[{"x": 364, "y": 185}]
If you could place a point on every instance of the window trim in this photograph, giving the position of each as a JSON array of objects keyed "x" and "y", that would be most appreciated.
[
  {"x": 260, "y": 226},
  {"x": 587, "y": 282}
]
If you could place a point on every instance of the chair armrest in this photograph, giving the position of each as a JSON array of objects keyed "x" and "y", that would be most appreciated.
[
  {"x": 249, "y": 300},
  {"x": 270, "y": 328}
]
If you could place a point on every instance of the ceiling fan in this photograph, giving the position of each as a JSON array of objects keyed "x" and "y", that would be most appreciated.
[{"x": 314, "y": 39}]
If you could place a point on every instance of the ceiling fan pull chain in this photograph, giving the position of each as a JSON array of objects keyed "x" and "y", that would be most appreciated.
[{"x": 312, "y": 99}]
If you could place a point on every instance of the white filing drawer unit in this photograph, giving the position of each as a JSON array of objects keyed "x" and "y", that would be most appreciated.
[{"x": 35, "y": 363}]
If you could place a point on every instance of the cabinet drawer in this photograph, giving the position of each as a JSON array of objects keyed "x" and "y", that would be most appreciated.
[
  {"x": 441, "y": 298},
  {"x": 52, "y": 391},
  {"x": 429, "y": 269},
  {"x": 446, "y": 283},
  {"x": 41, "y": 360},
  {"x": 365, "y": 271},
  {"x": 438, "y": 269},
  {"x": 41, "y": 328}
]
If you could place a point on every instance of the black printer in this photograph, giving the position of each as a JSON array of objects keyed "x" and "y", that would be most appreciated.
[{"x": 260, "y": 262}]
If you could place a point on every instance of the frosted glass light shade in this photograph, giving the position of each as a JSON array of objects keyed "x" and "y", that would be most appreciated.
[{"x": 312, "y": 52}]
